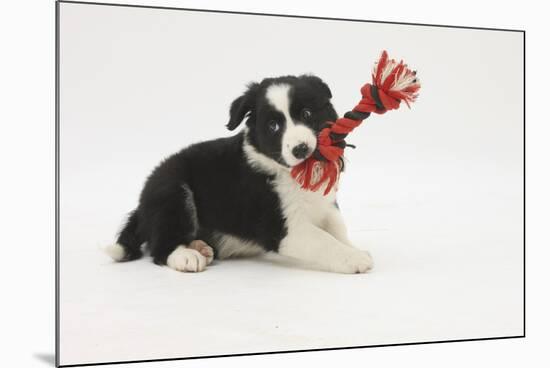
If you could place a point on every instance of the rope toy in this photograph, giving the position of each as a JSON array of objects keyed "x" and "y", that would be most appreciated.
[{"x": 392, "y": 83}]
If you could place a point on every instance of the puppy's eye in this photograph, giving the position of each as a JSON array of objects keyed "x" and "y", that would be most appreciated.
[
  {"x": 306, "y": 113},
  {"x": 273, "y": 126}
]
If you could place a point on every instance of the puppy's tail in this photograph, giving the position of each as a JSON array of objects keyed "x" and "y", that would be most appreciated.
[{"x": 128, "y": 245}]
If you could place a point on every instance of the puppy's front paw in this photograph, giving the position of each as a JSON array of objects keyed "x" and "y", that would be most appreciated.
[
  {"x": 186, "y": 260},
  {"x": 355, "y": 261}
]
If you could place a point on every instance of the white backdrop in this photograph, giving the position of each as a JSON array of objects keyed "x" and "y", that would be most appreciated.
[
  {"x": 434, "y": 193},
  {"x": 27, "y": 150}
]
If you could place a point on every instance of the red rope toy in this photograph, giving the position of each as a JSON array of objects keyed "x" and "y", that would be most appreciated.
[{"x": 392, "y": 83}]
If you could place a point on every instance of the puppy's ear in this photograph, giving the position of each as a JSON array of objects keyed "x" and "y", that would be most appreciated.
[
  {"x": 317, "y": 83},
  {"x": 243, "y": 106}
]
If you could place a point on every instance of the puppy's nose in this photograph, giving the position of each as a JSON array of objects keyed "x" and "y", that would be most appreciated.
[{"x": 300, "y": 151}]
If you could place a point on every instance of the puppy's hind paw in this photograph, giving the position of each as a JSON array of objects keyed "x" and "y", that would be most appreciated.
[
  {"x": 184, "y": 259},
  {"x": 203, "y": 249}
]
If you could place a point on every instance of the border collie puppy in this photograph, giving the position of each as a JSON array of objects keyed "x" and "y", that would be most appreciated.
[{"x": 235, "y": 196}]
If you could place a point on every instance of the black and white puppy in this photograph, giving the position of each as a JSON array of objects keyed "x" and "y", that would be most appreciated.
[{"x": 235, "y": 196}]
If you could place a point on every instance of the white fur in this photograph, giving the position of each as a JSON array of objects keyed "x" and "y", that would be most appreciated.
[
  {"x": 315, "y": 229},
  {"x": 294, "y": 133},
  {"x": 334, "y": 225},
  {"x": 312, "y": 244},
  {"x": 229, "y": 246},
  {"x": 115, "y": 251},
  {"x": 186, "y": 260}
]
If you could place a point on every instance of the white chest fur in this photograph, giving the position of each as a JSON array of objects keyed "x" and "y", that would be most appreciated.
[{"x": 299, "y": 205}]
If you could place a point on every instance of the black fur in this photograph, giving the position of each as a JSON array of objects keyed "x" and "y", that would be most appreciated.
[
  {"x": 308, "y": 91},
  {"x": 210, "y": 187}
]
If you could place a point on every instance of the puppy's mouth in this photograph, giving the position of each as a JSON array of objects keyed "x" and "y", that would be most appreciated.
[
  {"x": 295, "y": 161},
  {"x": 298, "y": 144},
  {"x": 279, "y": 159},
  {"x": 289, "y": 165},
  {"x": 284, "y": 164}
]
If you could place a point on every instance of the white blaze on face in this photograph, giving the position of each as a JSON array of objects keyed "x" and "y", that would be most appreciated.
[{"x": 294, "y": 134}]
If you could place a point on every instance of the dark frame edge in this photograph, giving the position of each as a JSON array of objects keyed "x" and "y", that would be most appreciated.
[
  {"x": 57, "y": 156},
  {"x": 294, "y": 351},
  {"x": 524, "y": 187},
  {"x": 289, "y": 16}
]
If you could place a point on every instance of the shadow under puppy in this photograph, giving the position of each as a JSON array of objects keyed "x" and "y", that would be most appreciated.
[{"x": 235, "y": 196}]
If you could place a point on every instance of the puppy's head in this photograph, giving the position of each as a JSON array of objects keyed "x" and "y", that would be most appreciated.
[{"x": 284, "y": 116}]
